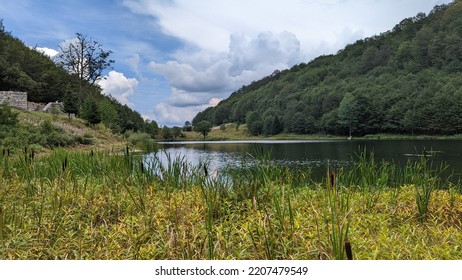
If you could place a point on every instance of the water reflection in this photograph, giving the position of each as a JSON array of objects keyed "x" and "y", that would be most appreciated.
[{"x": 317, "y": 154}]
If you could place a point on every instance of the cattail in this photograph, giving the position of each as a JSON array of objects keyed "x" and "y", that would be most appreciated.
[
  {"x": 205, "y": 170},
  {"x": 332, "y": 180},
  {"x": 348, "y": 251},
  {"x": 64, "y": 164}
]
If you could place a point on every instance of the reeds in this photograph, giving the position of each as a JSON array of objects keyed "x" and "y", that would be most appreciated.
[
  {"x": 425, "y": 178},
  {"x": 101, "y": 205},
  {"x": 337, "y": 210}
]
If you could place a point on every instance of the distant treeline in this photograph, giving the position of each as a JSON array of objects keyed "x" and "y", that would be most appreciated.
[{"x": 407, "y": 80}]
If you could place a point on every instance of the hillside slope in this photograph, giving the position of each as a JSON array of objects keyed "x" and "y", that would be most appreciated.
[
  {"x": 40, "y": 131},
  {"x": 407, "y": 80},
  {"x": 25, "y": 69}
]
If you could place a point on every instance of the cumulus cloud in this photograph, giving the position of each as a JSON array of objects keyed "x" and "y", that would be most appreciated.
[
  {"x": 166, "y": 114},
  {"x": 169, "y": 114},
  {"x": 263, "y": 53},
  {"x": 196, "y": 78},
  {"x": 119, "y": 86},
  {"x": 47, "y": 51},
  {"x": 134, "y": 62}
]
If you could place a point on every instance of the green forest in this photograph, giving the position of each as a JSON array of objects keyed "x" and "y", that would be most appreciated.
[
  {"x": 25, "y": 69},
  {"x": 404, "y": 81}
]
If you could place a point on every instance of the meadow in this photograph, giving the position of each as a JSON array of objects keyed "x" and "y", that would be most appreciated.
[{"x": 105, "y": 205}]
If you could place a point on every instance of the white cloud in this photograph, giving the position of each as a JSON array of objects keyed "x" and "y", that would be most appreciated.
[
  {"x": 47, "y": 51},
  {"x": 134, "y": 62},
  {"x": 119, "y": 86},
  {"x": 195, "y": 78},
  {"x": 214, "y": 102},
  {"x": 166, "y": 113},
  {"x": 201, "y": 79}
]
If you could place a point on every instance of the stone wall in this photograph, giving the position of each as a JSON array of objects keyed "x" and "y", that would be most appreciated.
[{"x": 14, "y": 98}]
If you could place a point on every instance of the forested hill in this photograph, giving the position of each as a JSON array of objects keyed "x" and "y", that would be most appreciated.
[
  {"x": 26, "y": 69},
  {"x": 407, "y": 80}
]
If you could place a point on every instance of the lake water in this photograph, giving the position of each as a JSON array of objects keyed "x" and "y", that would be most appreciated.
[{"x": 318, "y": 154}]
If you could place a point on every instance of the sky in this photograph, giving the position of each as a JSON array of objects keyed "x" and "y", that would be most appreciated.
[{"x": 174, "y": 58}]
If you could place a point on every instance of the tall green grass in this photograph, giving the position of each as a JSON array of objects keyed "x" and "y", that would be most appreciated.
[{"x": 93, "y": 205}]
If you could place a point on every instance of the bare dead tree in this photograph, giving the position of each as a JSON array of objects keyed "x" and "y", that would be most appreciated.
[{"x": 85, "y": 58}]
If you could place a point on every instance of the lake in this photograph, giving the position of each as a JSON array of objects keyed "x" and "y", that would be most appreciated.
[{"x": 318, "y": 154}]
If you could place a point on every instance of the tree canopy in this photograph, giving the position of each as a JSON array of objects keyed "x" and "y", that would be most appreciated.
[{"x": 203, "y": 127}]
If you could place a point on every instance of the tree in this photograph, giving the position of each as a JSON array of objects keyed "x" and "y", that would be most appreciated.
[
  {"x": 250, "y": 119},
  {"x": 152, "y": 128},
  {"x": 221, "y": 115},
  {"x": 167, "y": 133},
  {"x": 329, "y": 121},
  {"x": 348, "y": 113},
  {"x": 109, "y": 115},
  {"x": 204, "y": 127},
  {"x": 176, "y": 131},
  {"x": 89, "y": 111},
  {"x": 256, "y": 128},
  {"x": 70, "y": 103},
  {"x": 85, "y": 58},
  {"x": 187, "y": 126}
]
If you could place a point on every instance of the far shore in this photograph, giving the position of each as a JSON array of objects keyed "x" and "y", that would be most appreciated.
[{"x": 231, "y": 133}]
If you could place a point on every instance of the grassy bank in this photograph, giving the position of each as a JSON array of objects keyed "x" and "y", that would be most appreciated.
[
  {"x": 94, "y": 205},
  {"x": 233, "y": 132},
  {"x": 43, "y": 132}
]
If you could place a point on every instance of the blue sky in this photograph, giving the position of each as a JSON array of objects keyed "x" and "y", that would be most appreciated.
[{"x": 175, "y": 58}]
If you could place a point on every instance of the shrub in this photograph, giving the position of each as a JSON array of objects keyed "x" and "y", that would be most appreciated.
[
  {"x": 7, "y": 115},
  {"x": 141, "y": 140}
]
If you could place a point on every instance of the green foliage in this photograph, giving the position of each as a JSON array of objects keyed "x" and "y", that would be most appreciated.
[
  {"x": 8, "y": 116},
  {"x": 70, "y": 103},
  {"x": 141, "y": 140},
  {"x": 46, "y": 135},
  {"x": 406, "y": 80},
  {"x": 348, "y": 113},
  {"x": 108, "y": 114},
  {"x": 254, "y": 123},
  {"x": 177, "y": 132},
  {"x": 167, "y": 133},
  {"x": 152, "y": 128},
  {"x": 187, "y": 126},
  {"x": 89, "y": 111},
  {"x": 268, "y": 125},
  {"x": 203, "y": 127}
]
